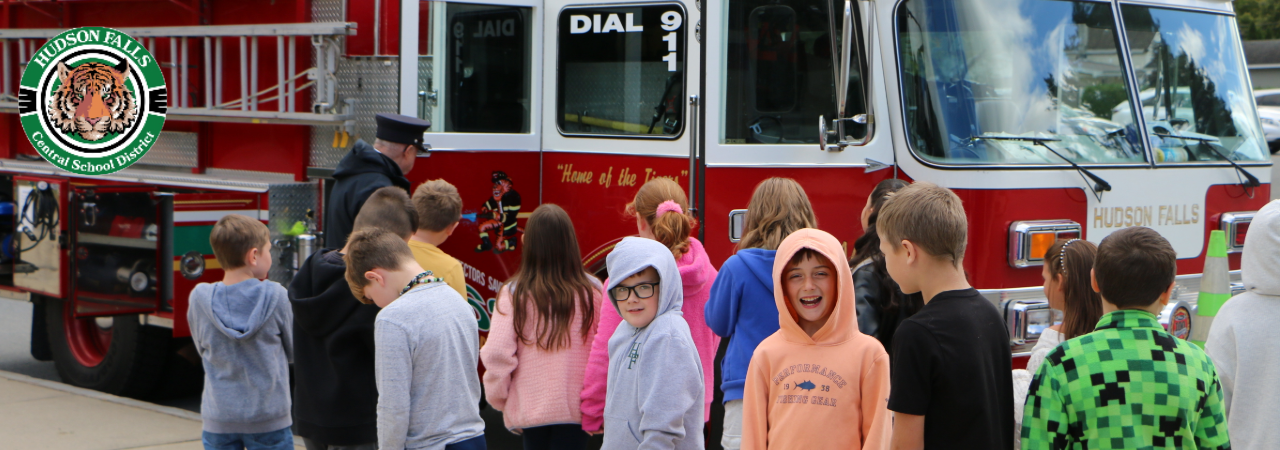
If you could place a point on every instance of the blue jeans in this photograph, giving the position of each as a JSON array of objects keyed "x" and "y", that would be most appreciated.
[
  {"x": 475, "y": 443},
  {"x": 281, "y": 439}
]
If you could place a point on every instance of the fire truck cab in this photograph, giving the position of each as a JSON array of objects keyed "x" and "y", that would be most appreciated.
[{"x": 1049, "y": 118}]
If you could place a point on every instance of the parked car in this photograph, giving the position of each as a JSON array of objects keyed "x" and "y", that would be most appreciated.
[
  {"x": 1269, "y": 114},
  {"x": 1267, "y": 97},
  {"x": 1270, "y": 117}
]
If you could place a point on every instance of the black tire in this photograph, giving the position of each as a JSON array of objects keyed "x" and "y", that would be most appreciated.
[
  {"x": 39, "y": 332},
  {"x": 183, "y": 374},
  {"x": 134, "y": 362}
]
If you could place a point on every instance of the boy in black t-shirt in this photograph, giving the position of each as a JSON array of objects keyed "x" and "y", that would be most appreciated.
[{"x": 951, "y": 378}]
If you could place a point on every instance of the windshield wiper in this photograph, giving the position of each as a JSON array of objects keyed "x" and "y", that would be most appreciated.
[
  {"x": 1097, "y": 188},
  {"x": 1213, "y": 143}
]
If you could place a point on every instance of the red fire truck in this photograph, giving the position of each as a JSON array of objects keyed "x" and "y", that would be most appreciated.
[{"x": 1049, "y": 118}]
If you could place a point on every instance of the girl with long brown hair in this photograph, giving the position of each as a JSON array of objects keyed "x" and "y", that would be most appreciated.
[
  {"x": 881, "y": 304},
  {"x": 543, "y": 326},
  {"x": 742, "y": 307},
  {"x": 1067, "y": 286},
  {"x": 661, "y": 212}
]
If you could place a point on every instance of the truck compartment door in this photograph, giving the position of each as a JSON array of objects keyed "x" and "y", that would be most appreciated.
[
  {"x": 121, "y": 241},
  {"x": 40, "y": 263}
]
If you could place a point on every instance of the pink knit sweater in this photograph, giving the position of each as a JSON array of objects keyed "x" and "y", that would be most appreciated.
[
  {"x": 696, "y": 273},
  {"x": 533, "y": 387}
]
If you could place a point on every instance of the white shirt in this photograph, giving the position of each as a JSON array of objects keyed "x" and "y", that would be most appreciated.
[{"x": 1022, "y": 378}]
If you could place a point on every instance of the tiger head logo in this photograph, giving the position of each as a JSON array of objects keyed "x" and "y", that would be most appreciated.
[{"x": 92, "y": 100}]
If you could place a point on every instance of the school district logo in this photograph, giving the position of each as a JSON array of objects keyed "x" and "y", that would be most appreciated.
[{"x": 92, "y": 101}]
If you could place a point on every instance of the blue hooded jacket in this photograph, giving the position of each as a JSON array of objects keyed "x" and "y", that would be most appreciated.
[
  {"x": 244, "y": 334},
  {"x": 742, "y": 309}
]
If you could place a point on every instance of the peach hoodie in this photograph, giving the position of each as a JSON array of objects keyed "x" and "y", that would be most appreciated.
[{"x": 829, "y": 391}]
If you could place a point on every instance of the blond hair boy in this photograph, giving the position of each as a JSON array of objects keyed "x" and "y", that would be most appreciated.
[
  {"x": 242, "y": 327},
  {"x": 951, "y": 360},
  {"x": 439, "y": 208}
]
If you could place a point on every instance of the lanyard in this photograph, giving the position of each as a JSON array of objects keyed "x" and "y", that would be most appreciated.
[{"x": 422, "y": 278}]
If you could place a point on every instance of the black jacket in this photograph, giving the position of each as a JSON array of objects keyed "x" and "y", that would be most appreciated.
[
  {"x": 361, "y": 172},
  {"x": 335, "y": 396},
  {"x": 871, "y": 300}
]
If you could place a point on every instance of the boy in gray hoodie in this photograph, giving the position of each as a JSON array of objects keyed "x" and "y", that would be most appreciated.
[
  {"x": 1242, "y": 341},
  {"x": 241, "y": 327},
  {"x": 655, "y": 386}
]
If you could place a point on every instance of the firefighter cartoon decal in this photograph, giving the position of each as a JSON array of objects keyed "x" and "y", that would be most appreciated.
[{"x": 499, "y": 215}]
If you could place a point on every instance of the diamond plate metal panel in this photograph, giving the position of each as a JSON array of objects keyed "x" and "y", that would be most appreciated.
[
  {"x": 173, "y": 149},
  {"x": 288, "y": 203},
  {"x": 374, "y": 85},
  {"x": 328, "y": 10}
]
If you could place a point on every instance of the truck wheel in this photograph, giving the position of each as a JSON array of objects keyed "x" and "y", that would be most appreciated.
[{"x": 116, "y": 355}]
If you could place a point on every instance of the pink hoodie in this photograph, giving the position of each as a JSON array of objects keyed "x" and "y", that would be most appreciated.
[{"x": 696, "y": 273}]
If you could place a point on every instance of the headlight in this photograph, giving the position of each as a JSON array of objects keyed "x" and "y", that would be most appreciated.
[
  {"x": 1236, "y": 226},
  {"x": 1027, "y": 319},
  {"x": 1029, "y": 239}
]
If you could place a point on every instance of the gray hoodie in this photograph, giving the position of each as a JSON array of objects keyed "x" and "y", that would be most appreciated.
[
  {"x": 655, "y": 388},
  {"x": 243, "y": 333},
  {"x": 1243, "y": 342}
]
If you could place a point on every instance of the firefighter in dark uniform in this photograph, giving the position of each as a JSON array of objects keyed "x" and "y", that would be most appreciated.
[
  {"x": 370, "y": 167},
  {"x": 499, "y": 212}
]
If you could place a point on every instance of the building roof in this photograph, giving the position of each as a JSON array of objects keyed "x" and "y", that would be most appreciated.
[{"x": 1262, "y": 53}]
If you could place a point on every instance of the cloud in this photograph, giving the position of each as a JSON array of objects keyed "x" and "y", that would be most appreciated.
[{"x": 1191, "y": 42}]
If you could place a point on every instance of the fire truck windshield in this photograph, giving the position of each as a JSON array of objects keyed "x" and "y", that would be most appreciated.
[
  {"x": 621, "y": 70},
  {"x": 1195, "y": 97},
  {"x": 1014, "y": 68}
]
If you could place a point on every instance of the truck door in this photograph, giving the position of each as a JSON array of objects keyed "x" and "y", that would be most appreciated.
[
  {"x": 120, "y": 241},
  {"x": 478, "y": 66},
  {"x": 622, "y": 82},
  {"x": 781, "y": 70},
  {"x": 40, "y": 263}
]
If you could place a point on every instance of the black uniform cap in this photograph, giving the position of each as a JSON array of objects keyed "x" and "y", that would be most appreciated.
[
  {"x": 401, "y": 129},
  {"x": 499, "y": 175}
]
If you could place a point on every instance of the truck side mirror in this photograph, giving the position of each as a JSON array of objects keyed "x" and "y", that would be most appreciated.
[{"x": 846, "y": 57}]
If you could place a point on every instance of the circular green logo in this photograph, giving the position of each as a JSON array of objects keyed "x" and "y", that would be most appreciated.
[{"x": 92, "y": 101}]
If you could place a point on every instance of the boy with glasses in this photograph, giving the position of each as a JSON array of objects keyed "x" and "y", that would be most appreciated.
[{"x": 655, "y": 386}]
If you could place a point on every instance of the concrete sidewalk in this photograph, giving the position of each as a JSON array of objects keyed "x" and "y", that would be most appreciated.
[{"x": 41, "y": 414}]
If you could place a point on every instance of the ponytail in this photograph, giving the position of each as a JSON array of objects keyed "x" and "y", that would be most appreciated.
[
  {"x": 664, "y": 206},
  {"x": 1073, "y": 259}
]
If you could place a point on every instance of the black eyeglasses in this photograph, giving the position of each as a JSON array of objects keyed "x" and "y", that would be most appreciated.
[
  {"x": 422, "y": 149},
  {"x": 642, "y": 290}
]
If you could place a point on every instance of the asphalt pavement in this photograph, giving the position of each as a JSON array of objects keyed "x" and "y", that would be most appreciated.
[
  {"x": 36, "y": 413},
  {"x": 15, "y": 342}
]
